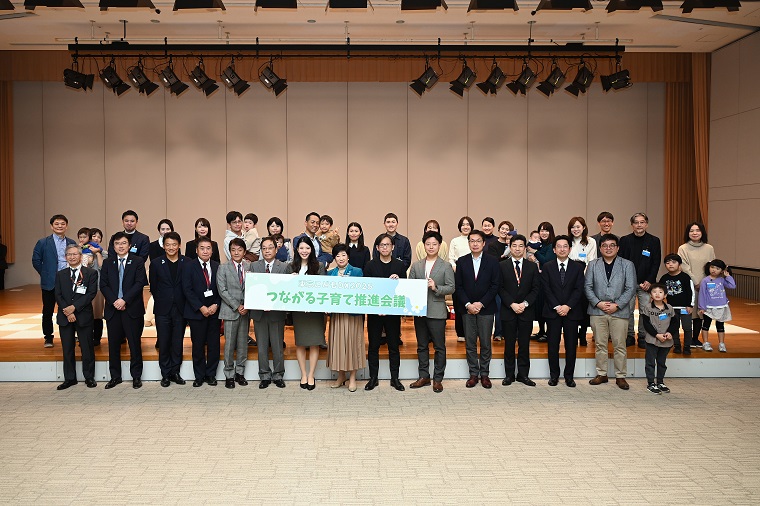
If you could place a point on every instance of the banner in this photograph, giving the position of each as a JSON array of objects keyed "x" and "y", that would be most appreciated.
[{"x": 335, "y": 294}]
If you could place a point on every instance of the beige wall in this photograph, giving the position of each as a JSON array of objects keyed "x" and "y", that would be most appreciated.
[
  {"x": 735, "y": 153},
  {"x": 353, "y": 150}
]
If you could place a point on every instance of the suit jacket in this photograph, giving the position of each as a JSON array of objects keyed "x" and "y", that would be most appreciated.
[
  {"x": 443, "y": 275},
  {"x": 620, "y": 288},
  {"x": 259, "y": 266},
  {"x": 132, "y": 285},
  {"x": 155, "y": 250},
  {"x": 194, "y": 286},
  {"x": 569, "y": 293},
  {"x": 65, "y": 295},
  {"x": 45, "y": 260},
  {"x": 167, "y": 292},
  {"x": 231, "y": 291},
  {"x": 511, "y": 292},
  {"x": 139, "y": 241},
  {"x": 484, "y": 288}
]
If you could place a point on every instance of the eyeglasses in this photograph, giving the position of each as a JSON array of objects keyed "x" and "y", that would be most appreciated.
[
  {"x": 384, "y": 245},
  {"x": 608, "y": 246},
  {"x": 476, "y": 241}
]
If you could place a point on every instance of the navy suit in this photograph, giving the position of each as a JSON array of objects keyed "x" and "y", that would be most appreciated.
[
  {"x": 45, "y": 262},
  {"x": 65, "y": 296},
  {"x": 139, "y": 244},
  {"x": 168, "y": 306},
  {"x": 517, "y": 327},
  {"x": 557, "y": 293},
  {"x": 204, "y": 330},
  {"x": 129, "y": 322}
]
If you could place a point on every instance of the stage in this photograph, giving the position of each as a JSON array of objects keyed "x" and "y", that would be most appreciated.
[{"x": 23, "y": 358}]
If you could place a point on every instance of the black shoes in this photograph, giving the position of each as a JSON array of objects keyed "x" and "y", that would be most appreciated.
[
  {"x": 176, "y": 378},
  {"x": 136, "y": 383},
  {"x": 553, "y": 382},
  {"x": 395, "y": 383},
  {"x": 112, "y": 383},
  {"x": 66, "y": 384},
  {"x": 279, "y": 383},
  {"x": 526, "y": 381},
  {"x": 311, "y": 387},
  {"x": 240, "y": 380},
  {"x": 264, "y": 384},
  {"x": 371, "y": 384},
  {"x": 165, "y": 382},
  {"x": 252, "y": 341},
  {"x": 156, "y": 343},
  {"x": 570, "y": 382},
  {"x": 508, "y": 381},
  {"x": 91, "y": 383},
  {"x": 198, "y": 383},
  {"x": 211, "y": 381},
  {"x": 229, "y": 383}
]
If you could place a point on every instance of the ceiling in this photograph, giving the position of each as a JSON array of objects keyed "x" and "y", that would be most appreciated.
[{"x": 704, "y": 30}]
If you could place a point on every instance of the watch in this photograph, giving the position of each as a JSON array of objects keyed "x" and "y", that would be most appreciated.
[{"x": 526, "y": 303}]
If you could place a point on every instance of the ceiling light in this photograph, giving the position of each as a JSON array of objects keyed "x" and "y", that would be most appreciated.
[
  {"x": 563, "y": 5},
  {"x": 582, "y": 80},
  {"x": 422, "y": 5},
  {"x": 276, "y": 4},
  {"x": 524, "y": 81},
  {"x": 425, "y": 81},
  {"x": 112, "y": 80},
  {"x": 31, "y": 4},
  {"x": 108, "y": 4},
  {"x": 198, "y": 4},
  {"x": 272, "y": 81},
  {"x": 464, "y": 81},
  {"x": 494, "y": 82},
  {"x": 553, "y": 82},
  {"x": 72, "y": 78},
  {"x": 633, "y": 5},
  {"x": 6, "y": 5},
  {"x": 492, "y": 5},
  {"x": 171, "y": 81},
  {"x": 202, "y": 81},
  {"x": 690, "y": 5},
  {"x": 140, "y": 80},
  {"x": 616, "y": 81},
  {"x": 233, "y": 81}
]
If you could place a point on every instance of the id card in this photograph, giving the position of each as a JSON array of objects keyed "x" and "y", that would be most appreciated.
[
  {"x": 133, "y": 249},
  {"x": 684, "y": 310},
  {"x": 581, "y": 255},
  {"x": 81, "y": 290},
  {"x": 646, "y": 253},
  {"x": 208, "y": 293},
  {"x": 710, "y": 285},
  {"x": 663, "y": 317}
]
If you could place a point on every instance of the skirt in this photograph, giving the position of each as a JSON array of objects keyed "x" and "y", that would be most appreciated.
[
  {"x": 309, "y": 328},
  {"x": 345, "y": 349},
  {"x": 719, "y": 314}
]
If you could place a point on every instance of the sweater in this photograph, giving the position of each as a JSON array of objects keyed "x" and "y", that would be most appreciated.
[
  {"x": 458, "y": 247},
  {"x": 581, "y": 253},
  {"x": 694, "y": 257},
  {"x": 680, "y": 289},
  {"x": 712, "y": 292}
]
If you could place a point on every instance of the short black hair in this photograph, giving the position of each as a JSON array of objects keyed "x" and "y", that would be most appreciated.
[
  {"x": 562, "y": 238},
  {"x": 673, "y": 257},
  {"x": 120, "y": 235},
  {"x": 390, "y": 215},
  {"x": 339, "y": 248},
  {"x": 59, "y": 217},
  {"x": 313, "y": 214},
  {"x": 237, "y": 241},
  {"x": 381, "y": 237},
  {"x": 701, "y": 229},
  {"x": 200, "y": 240},
  {"x": 518, "y": 237},
  {"x": 489, "y": 220},
  {"x": 657, "y": 285},
  {"x": 461, "y": 222},
  {"x": 326, "y": 218},
  {"x": 252, "y": 217},
  {"x": 432, "y": 233},
  {"x": 277, "y": 221},
  {"x": 84, "y": 230},
  {"x": 232, "y": 215},
  {"x": 603, "y": 215},
  {"x": 477, "y": 232},
  {"x": 129, "y": 212},
  {"x": 94, "y": 231},
  {"x": 609, "y": 237},
  {"x": 173, "y": 236}
]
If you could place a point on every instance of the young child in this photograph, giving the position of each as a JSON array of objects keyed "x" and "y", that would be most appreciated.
[
  {"x": 680, "y": 293},
  {"x": 284, "y": 253},
  {"x": 327, "y": 238},
  {"x": 660, "y": 324},
  {"x": 713, "y": 303},
  {"x": 88, "y": 257},
  {"x": 251, "y": 237},
  {"x": 534, "y": 244}
]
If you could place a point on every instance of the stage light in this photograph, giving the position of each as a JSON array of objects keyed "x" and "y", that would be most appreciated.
[
  {"x": 553, "y": 82},
  {"x": 276, "y": 4},
  {"x": 582, "y": 80},
  {"x": 30, "y": 5},
  {"x": 140, "y": 80},
  {"x": 112, "y": 80},
  {"x": 272, "y": 81},
  {"x": 563, "y": 5},
  {"x": 730, "y": 5},
  {"x": 171, "y": 81},
  {"x": 72, "y": 78},
  {"x": 6, "y": 5},
  {"x": 524, "y": 81},
  {"x": 422, "y": 5},
  {"x": 464, "y": 81},
  {"x": 492, "y": 5},
  {"x": 633, "y": 5},
  {"x": 233, "y": 81},
  {"x": 202, "y": 81},
  {"x": 494, "y": 82},
  {"x": 118, "y": 4},
  {"x": 425, "y": 81},
  {"x": 198, "y": 4},
  {"x": 347, "y": 4},
  {"x": 617, "y": 81}
]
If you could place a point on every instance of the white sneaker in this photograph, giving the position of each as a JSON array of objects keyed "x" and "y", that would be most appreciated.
[
  {"x": 707, "y": 347},
  {"x": 460, "y": 339},
  {"x": 722, "y": 347}
]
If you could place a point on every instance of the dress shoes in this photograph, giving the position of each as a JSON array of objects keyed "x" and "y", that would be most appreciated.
[
  {"x": 583, "y": 342},
  {"x": 264, "y": 384},
  {"x": 136, "y": 383},
  {"x": 211, "y": 381},
  {"x": 279, "y": 383},
  {"x": 527, "y": 381},
  {"x": 486, "y": 382},
  {"x": 508, "y": 381},
  {"x": 542, "y": 338},
  {"x": 553, "y": 382},
  {"x": 229, "y": 383},
  {"x": 339, "y": 384},
  {"x": 622, "y": 384},
  {"x": 240, "y": 380},
  {"x": 156, "y": 343},
  {"x": 311, "y": 387},
  {"x": 91, "y": 383},
  {"x": 176, "y": 378},
  {"x": 471, "y": 382},
  {"x": 112, "y": 383},
  {"x": 395, "y": 383},
  {"x": 66, "y": 384},
  {"x": 598, "y": 380},
  {"x": 252, "y": 341},
  {"x": 570, "y": 382},
  {"x": 371, "y": 384},
  {"x": 437, "y": 387},
  {"x": 198, "y": 383},
  {"x": 422, "y": 382},
  {"x": 165, "y": 382}
]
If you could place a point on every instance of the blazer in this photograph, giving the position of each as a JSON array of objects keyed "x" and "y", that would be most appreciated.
[
  {"x": 155, "y": 250},
  {"x": 231, "y": 291},
  {"x": 167, "y": 292},
  {"x": 350, "y": 271},
  {"x": 132, "y": 285},
  {"x": 45, "y": 260},
  {"x": 192, "y": 246},
  {"x": 194, "y": 286},
  {"x": 569, "y": 293},
  {"x": 620, "y": 288},
  {"x": 484, "y": 288},
  {"x": 527, "y": 291},
  {"x": 137, "y": 241},
  {"x": 66, "y": 296},
  {"x": 443, "y": 275},
  {"x": 259, "y": 266}
]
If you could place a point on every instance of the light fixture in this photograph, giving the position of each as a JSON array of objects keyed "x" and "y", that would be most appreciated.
[
  {"x": 423, "y": 5},
  {"x": 464, "y": 81},
  {"x": 140, "y": 80},
  {"x": 619, "y": 80},
  {"x": 563, "y": 5},
  {"x": 494, "y": 82},
  {"x": 112, "y": 80},
  {"x": 633, "y": 5},
  {"x": 171, "y": 81},
  {"x": 30, "y": 5},
  {"x": 347, "y": 4},
  {"x": 553, "y": 82},
  {"x": 582, "y": 80},
  {"x": 492, "y": 5},
  {"x": 276, "y": 4},
  {"x": 233, "y": 80},
  {"x": 6, "y": 5},
  {"x": 72, "y": 78},
  {"x": 272, "y": 81},
  {"x": 198, "y": 4},
  {"x": 202, "y": 81},
  {"x": 425, "y": 81},
  {"x": 117, "y": 4},
  {"x": 730, "y": 5},
  {"x": 524, "y": 81}
]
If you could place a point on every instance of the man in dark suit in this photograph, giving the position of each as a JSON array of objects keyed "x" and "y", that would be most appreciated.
[
  {"x": 520, "y": 284},
  {"x": 477, "y": 280},
  {"x": 202, "y": 312},
  {"x": 122, "y": 279},
  {"x": 168, "y": 305},
  {"x": 48, "y": 257},
  {"x": 139, "y": 243},
  {"x": 75, "y": 288},
  {"x": 562, "y": 282}
]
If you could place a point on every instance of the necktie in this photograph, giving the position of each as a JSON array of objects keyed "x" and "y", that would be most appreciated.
[
  {"x": 240, "y": 273},
  {"x": 73, "y": 276},
  {"x": 267, "y": 269},
  {"x": 121, "y": 277},
  {"x": 562, "y": 273},
  {"x": 517, "y": 270},
  {"x": 206, "y": 276}
]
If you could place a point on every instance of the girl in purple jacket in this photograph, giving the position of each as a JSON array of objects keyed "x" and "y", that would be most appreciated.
[{"x": 713, "y": 303}]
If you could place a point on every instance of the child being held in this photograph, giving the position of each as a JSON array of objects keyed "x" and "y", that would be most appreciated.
[
  {"x": 327, "y": 238},
  {"x": 660, "y": 324},
  {"x": 713, "y": 303},
  {"x": 88, "y": 257},
  {"x": 680, "y": 293},
  {"x": 534, "y": 244},
  {"x": 251, "y": 237}
]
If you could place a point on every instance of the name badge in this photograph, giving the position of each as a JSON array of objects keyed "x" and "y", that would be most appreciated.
[
  {"x": 581, "y": 255},
  {"x": 81, "y": 290},
  {"x": 133, "y": 249},
  {"x": 208, "y": 293},
  {"x": 710, "y": 285},
  {"x": 646, "y": 252},
  {"x": 684, "y": 310},
  {"x": 663, "y": 317}
]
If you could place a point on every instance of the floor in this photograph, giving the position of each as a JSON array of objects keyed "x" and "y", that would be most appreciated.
[{"x": 181, "y": 445}]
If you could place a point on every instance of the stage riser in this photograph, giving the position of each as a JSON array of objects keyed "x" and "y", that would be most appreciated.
[{"x": 455, "y": 369}]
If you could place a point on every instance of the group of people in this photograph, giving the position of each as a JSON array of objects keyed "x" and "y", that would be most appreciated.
[{"x": 499, "y": 284}]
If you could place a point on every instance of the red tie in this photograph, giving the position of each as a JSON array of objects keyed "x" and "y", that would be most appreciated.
[
  {"x": 240, "y": 273},
  {"x": 267, "y": 269},
  {"x": 205, "y": 275}
]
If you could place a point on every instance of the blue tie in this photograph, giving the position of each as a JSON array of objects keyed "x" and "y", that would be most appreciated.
[{"x": 121, "y": 276}]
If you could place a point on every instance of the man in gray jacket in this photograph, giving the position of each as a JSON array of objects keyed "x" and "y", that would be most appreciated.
[
  {"x": 230, "y": 280},
  {"x": 610, "y": 285}
]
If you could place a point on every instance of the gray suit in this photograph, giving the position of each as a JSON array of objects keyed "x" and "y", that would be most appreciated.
[
  {"x": 433, "y": 326},
  {"x": 269, "y": 327},
  {"x": 236, "y": 325}
]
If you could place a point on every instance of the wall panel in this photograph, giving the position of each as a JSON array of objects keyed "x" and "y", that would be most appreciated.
[
  {"x": 655, "y": 157},
  {"x": 748, "y": 75},
  {"x": 747, "y": 168},
  {"x": 724, "y": 93}
]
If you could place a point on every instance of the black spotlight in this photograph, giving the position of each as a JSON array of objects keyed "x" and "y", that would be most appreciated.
[
  {"x": 422, "y": 5},
  {"x": 202, "y": 81},
  {"x": 31, "y": 4},
  {"x": 107, "y": 4},
  {"x": 633, "y": 5},
  {"x": 524, "y": 81},
  {"x": 171, "y": 81},
  {"x": 233, "y": 81},
  {"x": 617, "y": 81},
  {"x": 141, "y": 81},
  {"x": 425, "y": 81},
  {"x": 563, "y": 5},
  {"x": 494, "y": 82},
  {"x": 730, "y": 5},
  {"x": 492, "y": 5},
  {"x": 77, "y": 80},
  {"x": 198, "y": 4},
  {"x": 112, "y": 80},
  {"x": 464, "y": 81},
  {"x": 6, "y": 5},
  {"x": 553, "y": 82},
  {"x": 582, "y": 80},
  {"x": 272, "y": 81}
]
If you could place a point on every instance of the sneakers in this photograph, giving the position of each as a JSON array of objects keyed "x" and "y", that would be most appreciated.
[
  {"x": 654, "y": 389},
  {"x": 460, "y": 339},
  {"x": 48, "y": 342},
  {"x": 663, "y": 388},
  {"x": 722, "y": 347},
  {"x": 707, "y": 347},
  {"x": 696, "y": 343},
  {"x": 498, "y": 338}
]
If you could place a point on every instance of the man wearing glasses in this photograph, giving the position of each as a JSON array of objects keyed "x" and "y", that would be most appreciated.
[{"x": 234, "y": 230}]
